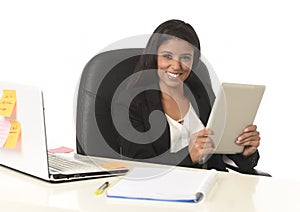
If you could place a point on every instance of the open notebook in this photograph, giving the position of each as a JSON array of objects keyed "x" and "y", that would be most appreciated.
[
  {"x": 164, "y": 184},
  {"x": 28, "y": 153}
]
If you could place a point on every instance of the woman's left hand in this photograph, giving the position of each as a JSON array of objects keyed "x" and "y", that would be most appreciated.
[{"x": 250, "y": 139}]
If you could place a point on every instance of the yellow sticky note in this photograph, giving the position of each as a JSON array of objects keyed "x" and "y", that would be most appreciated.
[
  {"x": 13, "y": 135},
  {"x": 7, "y": 102}
]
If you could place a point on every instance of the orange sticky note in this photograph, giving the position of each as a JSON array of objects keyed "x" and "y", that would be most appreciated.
[
  {"x": 7, "y": 102},
  {"x": 4, "y": 131},
  {"x": 113, "y": 165},
  {"x": 13, "y": 135}
]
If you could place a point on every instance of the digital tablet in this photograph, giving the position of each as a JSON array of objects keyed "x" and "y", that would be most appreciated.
[{"x": 235, "y": 108}]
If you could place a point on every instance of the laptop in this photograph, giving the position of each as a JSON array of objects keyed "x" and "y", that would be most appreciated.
[
  {"x": 30, "y": 154},
  {"x": 235, "y": 108}
]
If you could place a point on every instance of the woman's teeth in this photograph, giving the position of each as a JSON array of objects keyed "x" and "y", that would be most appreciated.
[{"x": 173, "y": 74}]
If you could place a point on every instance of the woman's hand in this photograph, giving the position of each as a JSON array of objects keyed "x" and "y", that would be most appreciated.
[
  {"x": 200, "y": 145},
  {"x": 250, "y": 139}
]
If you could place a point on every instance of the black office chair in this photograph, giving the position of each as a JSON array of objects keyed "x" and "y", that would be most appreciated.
[{"x": 95, "y": 131}]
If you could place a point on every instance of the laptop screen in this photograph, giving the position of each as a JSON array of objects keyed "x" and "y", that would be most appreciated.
[{"x": 27, "y": 151}]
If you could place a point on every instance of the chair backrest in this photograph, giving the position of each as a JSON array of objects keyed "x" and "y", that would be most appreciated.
[{"x": 95, "y": 131}]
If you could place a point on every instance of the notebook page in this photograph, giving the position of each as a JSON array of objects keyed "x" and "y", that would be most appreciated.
[{"x": 172, "y": 184}]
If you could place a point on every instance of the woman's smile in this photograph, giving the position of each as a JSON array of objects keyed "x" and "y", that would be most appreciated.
[
  {"x": 172, "y": 75},
  {"x": 174, "y": 62}
]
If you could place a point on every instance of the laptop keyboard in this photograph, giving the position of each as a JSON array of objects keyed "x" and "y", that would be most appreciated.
[{"x": 65, "y": 164}]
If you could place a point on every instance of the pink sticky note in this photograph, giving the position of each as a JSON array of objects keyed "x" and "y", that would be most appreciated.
[
  {"x": 4, "y": 131},
  {"x": 61, "y": 149}
]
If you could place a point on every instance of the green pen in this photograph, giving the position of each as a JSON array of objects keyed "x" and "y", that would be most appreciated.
[{"x": 101, "y": 189}]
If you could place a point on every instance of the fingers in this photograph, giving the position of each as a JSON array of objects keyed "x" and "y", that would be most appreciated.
[
  {"x": 250, "y": 144},
  {"x": 250, "y": 128},
  {"x": 204, "y": 133},
  {"x": 202, "y": 139},
  {"x": 254, "y": 143},
  {"x": 201, "y": 145},
  {"x": 204, "y": 142},
  {"x": 250, "y": 139}
]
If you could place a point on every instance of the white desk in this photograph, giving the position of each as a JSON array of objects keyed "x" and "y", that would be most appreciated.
[{"x": 233, "y": 192}]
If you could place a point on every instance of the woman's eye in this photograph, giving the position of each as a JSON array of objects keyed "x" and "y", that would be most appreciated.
[
  {"x": 168, "y": 56},
  {"x": 186, "y": 58}
]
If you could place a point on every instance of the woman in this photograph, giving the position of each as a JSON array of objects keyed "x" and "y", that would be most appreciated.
[{"x": 166, "y": 80}]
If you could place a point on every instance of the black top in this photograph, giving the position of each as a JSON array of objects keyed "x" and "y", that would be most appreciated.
[{"x": 139, "y": 140}]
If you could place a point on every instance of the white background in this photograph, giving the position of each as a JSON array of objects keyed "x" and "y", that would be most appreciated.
[{"x": 48, "y": 43}]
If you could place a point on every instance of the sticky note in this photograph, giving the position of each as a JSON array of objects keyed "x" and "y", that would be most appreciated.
[
  {"x": 61, "y": 149},
  {"x": 7, "y": 102},
  {"x": 14, "y": 134},
  {"x": 113, "y": 165},
  {"x": 4, "y": 131}
]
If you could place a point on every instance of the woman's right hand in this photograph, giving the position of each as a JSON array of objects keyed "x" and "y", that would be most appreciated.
[{"x": 200, "y": 145}]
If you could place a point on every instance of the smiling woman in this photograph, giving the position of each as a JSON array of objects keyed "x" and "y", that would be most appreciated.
[
  {"x": 174, "y": 63},
  {"x": 168, "y": 106}
]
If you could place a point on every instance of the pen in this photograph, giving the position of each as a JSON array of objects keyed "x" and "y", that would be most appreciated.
[{"x": 101, "y": 189}]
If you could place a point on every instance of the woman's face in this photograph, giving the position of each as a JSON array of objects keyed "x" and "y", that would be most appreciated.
[{"x": 174, "y": 62}]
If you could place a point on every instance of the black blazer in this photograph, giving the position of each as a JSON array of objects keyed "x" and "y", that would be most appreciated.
[{"x": 152, "y": 143}]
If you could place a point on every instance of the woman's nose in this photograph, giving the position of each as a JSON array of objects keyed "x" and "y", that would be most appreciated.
[{"x": 175, "y": 64}]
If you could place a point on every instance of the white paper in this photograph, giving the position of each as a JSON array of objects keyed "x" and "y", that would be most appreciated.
[{"x": 169, "y": 184}]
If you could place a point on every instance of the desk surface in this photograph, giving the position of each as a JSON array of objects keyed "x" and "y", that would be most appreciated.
[{"x": 232, "y": 192}]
